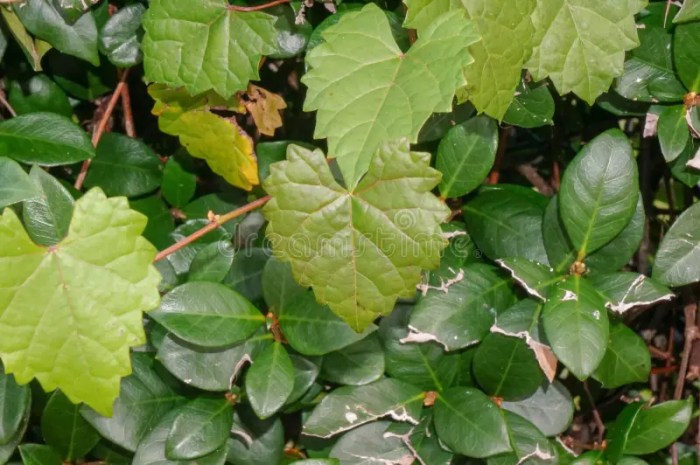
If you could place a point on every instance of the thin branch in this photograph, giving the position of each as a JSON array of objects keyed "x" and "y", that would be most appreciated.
[
  {"x": 215, "y": 222},
  {"x": 6, "y": 104},
  {"x": 258, "y": 7},
  {"x": 531, "y": 174},
  {"x": 100, "y": 129},
  {"x": 129, "y": 126},
  {"x": 600, "y": 426}
]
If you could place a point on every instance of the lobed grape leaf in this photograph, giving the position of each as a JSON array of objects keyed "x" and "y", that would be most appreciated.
[
  {"x": 359, "y": 249},
  {"x": 76, "y": 307},
  {"x": 367, "y": 91},
  {"x": 210, "y": 47}
]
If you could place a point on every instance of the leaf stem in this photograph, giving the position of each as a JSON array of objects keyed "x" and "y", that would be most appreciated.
[
  {"x": 102, "y": 125},
  {"x": 214, "y": 223},
  {"x": 6, "y": 104},
  {"x": 129, "y": 126},
  {"x": 258, "y": 7}
]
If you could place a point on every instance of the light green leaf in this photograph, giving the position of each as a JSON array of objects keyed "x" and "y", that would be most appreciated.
[
  {"x": 657, "y": 427},
  {"x": 120, "y": 36},
  {"x": 15, "y": 184},
  {"x": 469, "y": 423},
  {"x": 626, "y": 290},
  {"x": 672, "y": 129},
  {"x": 200, "y": 428},
  {"x": 686, "y": 54},
  {"x": 690, "y": 11},
  {"x": 45, "y": 139},
  {"x": 61, "y": 296},
  {"x": 65, "y": 430},
  {"x": 370, "y": 444},
  {"x": 351, "y": 406},
  {"x": 42, "y": 19},
  {"x": 580, "y": 44},
  {"x": 463, "y": 315},
  {"x": 678, "y": 258},
  {"x": 357, "y": 364},
  {"x": 626, "y": 359},
  {"x": 270, "y": 381},
  {"x": 211, "y": 47},
  {"x": 465, "y": 155},
  {"x": 208, "y": 314},
  {"x": 390, "y": 238},
  {"x": 550, "y": 408},
  {"x": 598, "y": 193},
  {"x": 576, "y": 324},
  {"x": 367, "y": 91}
]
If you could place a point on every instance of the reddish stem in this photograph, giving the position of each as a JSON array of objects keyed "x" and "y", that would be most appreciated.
[
  {"x": 129, "y": 126},
  {"x": 258, "y": 7}
]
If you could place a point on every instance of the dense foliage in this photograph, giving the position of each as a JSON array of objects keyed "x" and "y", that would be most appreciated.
[{"x": 436, "y": 232}]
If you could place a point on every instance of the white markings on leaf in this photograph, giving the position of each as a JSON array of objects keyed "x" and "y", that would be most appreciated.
[
  {"x": 543, "y": 353},
  {"x": 444, "y": 285}
]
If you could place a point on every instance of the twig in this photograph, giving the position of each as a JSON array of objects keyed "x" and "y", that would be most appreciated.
[
  {"x": 531, "y": 174},
  {"x": 129, "y": 126},
  {"x": 214, "y": 223},
  {"x": 258, "y": 7},
  {"x": 100, "y": 129},
  {"x": 6, "y": 104},
  {"x": 600, "y": 426}
]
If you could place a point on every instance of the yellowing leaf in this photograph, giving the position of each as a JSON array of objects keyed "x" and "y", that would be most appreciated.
[
  {"x": 367, "y": 91},
  {"x": 70, "y": 312},
  {"x": 360, "y": 249},
  {"x": 219, "y": 141},
  {"x": 265, "y": 107}
]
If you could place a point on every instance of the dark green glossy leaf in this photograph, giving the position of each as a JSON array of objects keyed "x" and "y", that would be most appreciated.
[
  {"x": 529, "y": 444},
  {"x": 47, "y": 216},
  {"x": 8, "y": 448},
  {"x": 598, "y": 192},
  {"x": 531, "y": 108},
  {"x": 182, "y": 259},
  {"x": 673, "y": 132},
  {"x": 469, "y": 423},
  {"x": 212, "y": 263},
  {"x": 160, "y": 221},
  {"x": 465, "y": 155},
  {"x": 550, "y": 408},
  {"x": 200, "y": 428},
  {"x": 39, "y": 454},
  {"x": 124, "y": 166},
  {"x": 15, "y": 184},
  {"x": 686, "y": 54},
  {"x": 351, "y": 406},
  {"x": 625, "y": 290},
  {"x": 42, "y": 19},
  {"x": 45, "y": 139},
  {"x": 620, "y": 430},
  {"x": 534, "y": 277},
  {"x": 626, "y": 359},
  {"x": 14, "y": 404},
  {"x": 208, "y": 314},
  {"x": 657, "y": 427},
  {"x": 120, "y": 37},
  {"x": 678, "y": 258},
  {"x": 576, "y": 324},
  {"x": 305, "y": 373},
  {"x": 463, "y": 315},
  {"x": 506, "y": 221},
  {"x": 245, "y": 274},
  {"x": 38, "y": 94},
  {"x": 560, "y": 251},
  {"x": 270, "y": 380},
  {"x": 279, "y": 287},
  {"x": 357, "y": 364},
  {"x": 144, "y": 397},
  {"x": 370, "y": 444},
  {"x": 506, "y": 367},
  {"x": 255, "y": 441},
  {"x": 178, "y": 183},
  {"x": 422, "y": 440},
  {"x": 681, "y": 170},
  {"x": 65, "y": 430}
]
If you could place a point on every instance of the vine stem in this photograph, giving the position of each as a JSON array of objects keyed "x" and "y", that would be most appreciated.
[
  {"x": 258, "y": 7},
  {"x": 129, "y": 126},
  {"x": 100, "y": 129},
  {"x": 215, "y": 222}
]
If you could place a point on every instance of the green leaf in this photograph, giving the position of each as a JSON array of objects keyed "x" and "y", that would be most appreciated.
[
  {"x": 351, "y": 406},
  {"x": 619, "y": 431},
  {"x": 124, "y": 166},
  {"x": 206, "y": 368},
  {"x": 422, "y": 440},
  {"x": 14, "y": 404},
  {"x": 690, "y": 11},
  {"x": 39, "y": 454},
  {"x": 369, "y": 444},
  {"x": 281, "y": 291},
  {"x": 659, "y": 426},
  {"x": 200, "y": 427},
  {"x": 550, "y": 408},
  {"x": 45, "y": 139},
  {"x": 7, "y": 449},
  {"x": 423, "y": 365},
  {"x": 532, "y": 107},
  {"x": 208, "y": 314},
  {"x": 179, "y": 184},
  {"x": 673, "y": 132},
  {"x": 255, "y": 441},
  {"x": 506, "y": 221},
  {"x": 47, "y": 216},
  {"x": 182, "y": 259},
  {"x": 357, "y": 364},
  {"x": 245, "y": 275},
  {"x": 270, "y": 380},
  {"x": 38, "y": 94},
  {"x": 528, "y": 443},
  {"x": 576, "y": 324},
  {"x": 470, "y": 424},
  {"x": 598, "y": 193},
  {"x": 506, "y": 367},
  {"x": 160, "y": 221},
  {"x": 626, "y": 290},
  {"x": 686, "y": 54},
  {"x": 465, "y": 156},
  {"x": 580, "y": 44},
  {"x": 390, "y": 239},
  {"x": 463, "y": 315},
  {"x": 367, "y": 91},
  {"x": 120, "y": 37},
  {"x": 626, "y": 359},
  {"x": 305, "y": 373},
  {"x": 681, "y": 170},
  {"x": 15, "y": 184},
  {"x": 291, "y": 35},
  {"x": 212, "y": 263},
  {"x": 534, "y": 277},
  {"x": 65, "y": 430},
  {"x": 60, "y": 293},
  {"x": 560, "y": 252},
  {"x": 42, "y": 19},
  {"x": 144, "y": 398},
  {"x": 211, "y": 47},
  {"x": 34, "y": 49},
  {"x": 678, "y": 258}
]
